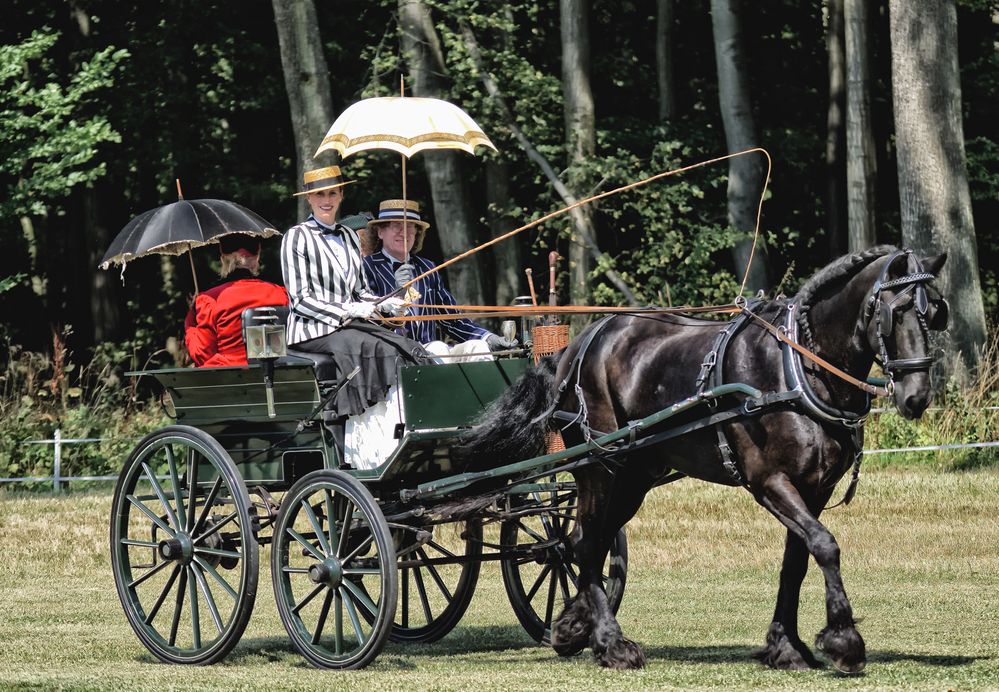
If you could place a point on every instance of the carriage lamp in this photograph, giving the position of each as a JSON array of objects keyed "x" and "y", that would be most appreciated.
[
  {"x": 265, "y": 341},
  {"x": 526, "y": 321}
]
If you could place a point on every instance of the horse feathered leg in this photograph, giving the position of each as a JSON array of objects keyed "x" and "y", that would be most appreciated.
[
  {"x": 840, "y": 639},
  {"x": 604, "y": 507},
  {"x": 784, "y": 648}
]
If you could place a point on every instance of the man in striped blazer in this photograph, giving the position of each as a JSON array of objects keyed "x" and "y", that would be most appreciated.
[{"x": 390, "y": 261}]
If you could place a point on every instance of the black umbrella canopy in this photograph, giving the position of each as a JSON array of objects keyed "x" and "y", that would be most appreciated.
[{"x": 176, "y": 228}]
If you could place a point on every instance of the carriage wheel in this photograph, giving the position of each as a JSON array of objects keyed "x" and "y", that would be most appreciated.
[
  {"x": 333, "y": 565},
  {"x": 183, "y": 548},
  {"x": 543, "y": 576},
  {"x": 435, "y": 585}
]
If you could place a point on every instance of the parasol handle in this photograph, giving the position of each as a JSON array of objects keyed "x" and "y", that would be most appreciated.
[
  {"x": 553, "y": 258},
  {"x": 530, "y": 285},
  {"x": 190, "y": 256}
]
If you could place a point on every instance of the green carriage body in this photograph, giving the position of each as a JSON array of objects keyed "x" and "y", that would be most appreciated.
[{"x": 230, "y": 404}]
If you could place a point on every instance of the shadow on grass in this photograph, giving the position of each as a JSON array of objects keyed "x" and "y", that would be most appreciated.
[
  {"x": 743, "y": 654},
  {"x": 463, "y": 640},
  {"x": 471, "y": 640},
  {"x": 925, "y": 659}
]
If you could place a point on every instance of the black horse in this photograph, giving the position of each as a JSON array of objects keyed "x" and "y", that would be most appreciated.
[{"x": 788, "y": 447}]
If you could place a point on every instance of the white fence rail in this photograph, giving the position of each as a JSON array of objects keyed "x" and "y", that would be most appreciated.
[
  {"x": 57, "y": 478},
  {"x": 57, "y": 442}
]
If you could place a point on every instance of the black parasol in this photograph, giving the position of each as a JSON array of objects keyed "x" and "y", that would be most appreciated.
[{"x": 178, "y": 227}]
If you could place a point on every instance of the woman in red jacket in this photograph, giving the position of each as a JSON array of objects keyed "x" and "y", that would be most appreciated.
[{"x": 214, "y": 326}]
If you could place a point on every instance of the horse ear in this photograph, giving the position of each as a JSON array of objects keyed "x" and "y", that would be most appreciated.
[{"x": 934, "y": 264}]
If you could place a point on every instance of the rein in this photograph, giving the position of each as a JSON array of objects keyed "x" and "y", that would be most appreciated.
[
  {"x": 781, "y": 334},
  {"x": 484, "y": 311}
]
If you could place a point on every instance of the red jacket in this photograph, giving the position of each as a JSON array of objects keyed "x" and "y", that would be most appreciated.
[{"x": 214, "y": 326}]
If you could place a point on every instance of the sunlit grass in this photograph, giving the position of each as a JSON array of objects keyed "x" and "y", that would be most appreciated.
[{"x": 920, "y": 554}]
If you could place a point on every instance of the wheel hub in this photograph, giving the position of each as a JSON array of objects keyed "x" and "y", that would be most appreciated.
[
  {"x": 180, "y": 547},
  {"x": 329, "y": 572}
]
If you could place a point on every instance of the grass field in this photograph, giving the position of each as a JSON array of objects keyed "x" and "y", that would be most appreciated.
[{"x": 920, "y": 560}]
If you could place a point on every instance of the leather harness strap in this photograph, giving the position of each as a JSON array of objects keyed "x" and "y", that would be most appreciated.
[{"x": 818, "y": 360}]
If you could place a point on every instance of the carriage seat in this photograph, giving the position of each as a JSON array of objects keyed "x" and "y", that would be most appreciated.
[{"x": 322, "y": 364}]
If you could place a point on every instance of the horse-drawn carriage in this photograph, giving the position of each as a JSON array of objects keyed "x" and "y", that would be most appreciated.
[{"x": 362, "y": 556}]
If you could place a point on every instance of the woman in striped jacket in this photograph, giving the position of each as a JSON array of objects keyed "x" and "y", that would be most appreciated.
[{"x": 330, "y": 303}]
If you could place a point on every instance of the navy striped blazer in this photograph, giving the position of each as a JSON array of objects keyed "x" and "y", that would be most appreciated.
[
  {"x": 320, "y": 275},
  {"x": 381, "y": 279}
]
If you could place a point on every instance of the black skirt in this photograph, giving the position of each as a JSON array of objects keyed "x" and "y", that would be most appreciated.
[{"x": 378, "y": 351}]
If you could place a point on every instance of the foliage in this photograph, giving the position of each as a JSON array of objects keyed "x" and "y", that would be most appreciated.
[
  {"x": 49, "y": 138},
  {"x": 960, "y": 414},
  {"x": 40, "y": 392},
  {"x": 92, "y": 134}
]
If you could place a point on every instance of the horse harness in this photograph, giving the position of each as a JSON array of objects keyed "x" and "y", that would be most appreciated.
[{"x": 800, "y": 392}]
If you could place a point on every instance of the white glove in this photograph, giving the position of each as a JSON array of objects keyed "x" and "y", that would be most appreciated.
[
  {"x": 392, "y": 307},
  {"x": 495, "y": 342},
  {"x": 361, "y": 309}
]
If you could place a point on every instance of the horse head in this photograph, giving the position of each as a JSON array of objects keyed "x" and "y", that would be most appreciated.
[{"x": 903, "y": 308}]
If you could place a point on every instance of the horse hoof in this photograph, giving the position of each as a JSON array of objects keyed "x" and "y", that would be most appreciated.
[
  {"x": 787, "y": 657},
  {"x": 569, "y": 640},
  {"x": 845, "y": 648},
  {"x": 784, "y": 652},
  {"x": 621, "y": 654},
  {"x": 571, "y": 630}
]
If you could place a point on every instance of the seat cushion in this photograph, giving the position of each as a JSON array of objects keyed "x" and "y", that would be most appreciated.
[{"x": 322, "y": 363}]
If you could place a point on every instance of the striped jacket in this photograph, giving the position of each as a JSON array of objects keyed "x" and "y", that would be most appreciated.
[
  {"x": 320, "y": 275},
  {"x": 381, "y": 279}
]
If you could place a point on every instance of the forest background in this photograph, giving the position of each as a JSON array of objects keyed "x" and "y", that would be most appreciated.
[{"x": 880, "y": 118}]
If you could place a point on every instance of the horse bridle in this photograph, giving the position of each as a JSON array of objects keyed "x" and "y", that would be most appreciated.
[{"x": 883, "y": 311}]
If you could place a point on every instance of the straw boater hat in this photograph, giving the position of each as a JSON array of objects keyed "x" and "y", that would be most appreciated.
[
  {"x": 322, "y": 179},
  {"x": 394, "y": 210}
]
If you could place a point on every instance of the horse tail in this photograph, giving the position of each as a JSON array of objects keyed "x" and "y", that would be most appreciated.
[{"x": 514, "y": 426}]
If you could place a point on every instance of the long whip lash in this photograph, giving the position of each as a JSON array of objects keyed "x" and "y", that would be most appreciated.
[{"x": 609, "y": 193}]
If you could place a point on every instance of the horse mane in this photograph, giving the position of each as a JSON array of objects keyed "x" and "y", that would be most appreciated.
[{"x": 834, "y": 273}]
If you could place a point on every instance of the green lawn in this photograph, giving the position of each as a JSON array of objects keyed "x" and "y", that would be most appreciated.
[{"x": 920, "y": 560}]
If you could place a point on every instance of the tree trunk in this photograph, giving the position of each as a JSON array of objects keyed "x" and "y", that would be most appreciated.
[
  {"x": 861, "y": 161},
  {"x": 580, "y": 138},
  {"x": 579, "y": 220},
  {"x": 453, "y": 214},
  {"x": 90, "y": 299},
  {"x": 307, "y": 81},
  {"x": 104, "y": 310},
  {"x": 664, "y": 59},
  {"x": 507, "y": 262},
  {"x": 835, "y": 132},
  {"x": 932, "y": 169},
  {"x": 745, "y": 173}
]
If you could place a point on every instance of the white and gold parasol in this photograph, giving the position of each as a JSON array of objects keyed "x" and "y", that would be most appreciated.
[{"x": 406, "y": 124}]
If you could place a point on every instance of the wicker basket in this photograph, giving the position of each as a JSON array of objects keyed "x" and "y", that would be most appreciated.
[
  {"x": 554, "y": 442},
  {"x": 549, "y": 339}
]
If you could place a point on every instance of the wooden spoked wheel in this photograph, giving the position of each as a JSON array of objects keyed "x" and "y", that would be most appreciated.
[
  {"x": 333, "y": 565},
  {"x": 183, "y": 549},
  {"x": 543, "y": 576},
  {"x": 437, "y": 579}
]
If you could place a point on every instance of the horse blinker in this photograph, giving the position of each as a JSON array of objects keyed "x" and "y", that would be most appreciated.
[{"x": 885, "y": 318}]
